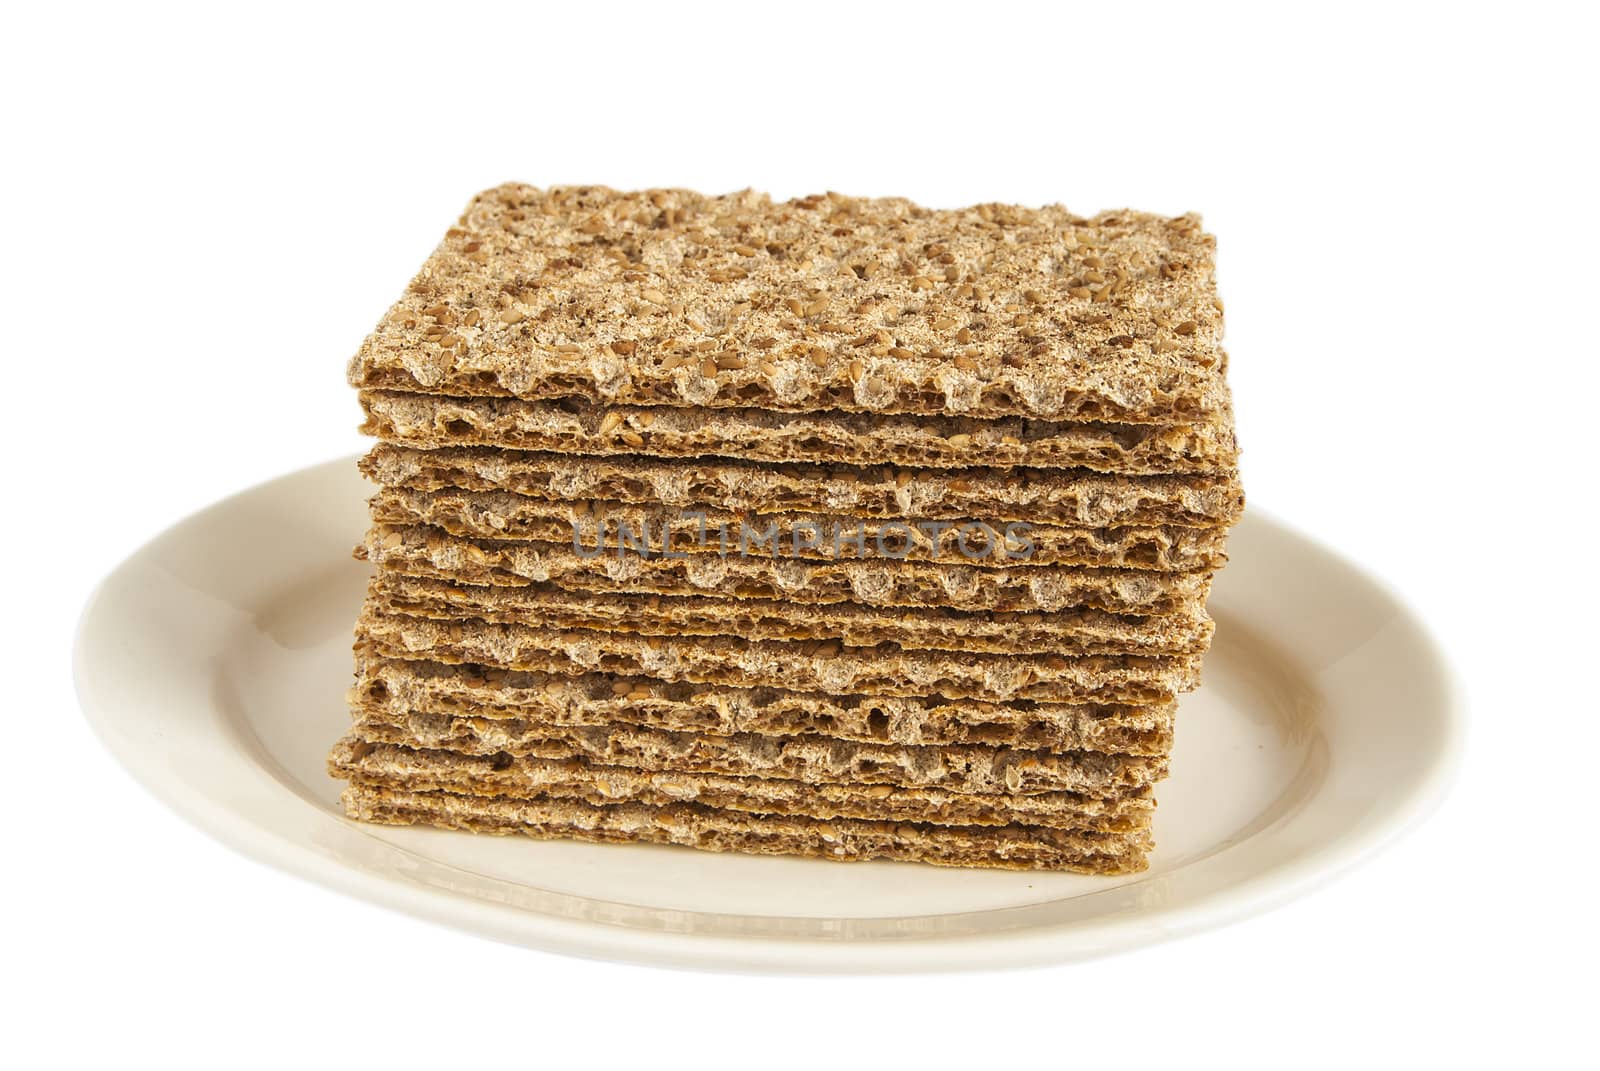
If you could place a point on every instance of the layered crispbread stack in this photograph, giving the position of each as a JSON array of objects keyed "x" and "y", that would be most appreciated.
[{"x": 831, "y": 527}]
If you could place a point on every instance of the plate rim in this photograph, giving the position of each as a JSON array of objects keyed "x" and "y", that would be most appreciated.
[{"x": 1025, "y": 947}]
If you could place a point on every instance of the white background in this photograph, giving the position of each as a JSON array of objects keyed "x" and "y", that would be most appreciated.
[{"x": 205, "y": 210}]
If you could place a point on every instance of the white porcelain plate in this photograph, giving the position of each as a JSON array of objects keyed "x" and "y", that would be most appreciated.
[{"x": 214, "y": 663}]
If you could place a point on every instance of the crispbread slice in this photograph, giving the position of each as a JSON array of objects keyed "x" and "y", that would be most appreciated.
[
  {"x": 801, "y": 666},
  {"x": 599, "y": 699},
  {"x": 420, "y": 550},
  {"x": 1067, "y": 632},
  {"x": 667, "y": 297},
  {"x": 693, "y": 825},
  {"x": 1067, "y": 498},
  {"x": 408, "y": 769},
  {"x": 571, "y": 427},
  {"x": 969, "y": 768},
  {"x": 1040, "y": 496},
  {"x": 818, "y": 537}
]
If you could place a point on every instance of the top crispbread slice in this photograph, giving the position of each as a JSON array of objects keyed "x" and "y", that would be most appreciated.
[
  {"x": 574, "y": 427},
  {"x": 1040, "y": 496},
  {"x": 667, "y": 297}
]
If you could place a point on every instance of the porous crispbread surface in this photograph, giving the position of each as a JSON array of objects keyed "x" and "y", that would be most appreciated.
[
  {"x": 1066, "y": 632},
  {"x": 975, "y": 769},
  {"x": 1041, "y": 496},
  {"x": 568, "y": 427},
  {"x": 667, "y": 297},
  {"x": 419, "y": 550},
  {"x": 400, "y": 687},
  {"x": 694, "y": 825},
  {"x": 504, "y": 516},
  {"x": 802, "y": 666},
  {"x": 424, "y": 770}
]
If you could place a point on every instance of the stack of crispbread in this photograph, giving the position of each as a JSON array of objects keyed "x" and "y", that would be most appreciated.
[{"x": 833, "y": 527}]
